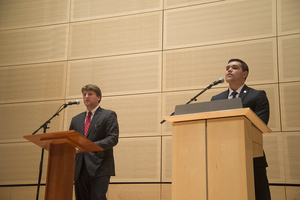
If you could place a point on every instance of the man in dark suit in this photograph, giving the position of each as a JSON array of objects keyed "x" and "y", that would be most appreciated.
[
  {"x": 236, "y": 74},
  {"x": 94, "y": 169}
]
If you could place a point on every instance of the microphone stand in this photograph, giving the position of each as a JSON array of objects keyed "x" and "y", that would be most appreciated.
[
  {"x": 193, "y": 99},
  {"x": 45, "y": 127}
]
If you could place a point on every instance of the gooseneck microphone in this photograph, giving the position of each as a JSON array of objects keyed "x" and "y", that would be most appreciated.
[
  {"x": 72, "y": 102},
  {"x": 220, "y": 80}
]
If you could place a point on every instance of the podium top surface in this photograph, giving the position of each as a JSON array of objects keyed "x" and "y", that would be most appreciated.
[
  {"x": 72, "y": 137},
  {"x": 246, "y": 112},
  {"x": 209, "y": 106}
]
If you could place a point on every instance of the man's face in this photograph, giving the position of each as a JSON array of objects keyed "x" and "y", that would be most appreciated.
[
  {"x": 234, "y": 73},
  {"x": 90, "y": 99}
]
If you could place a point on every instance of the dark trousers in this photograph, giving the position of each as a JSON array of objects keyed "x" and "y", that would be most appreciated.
[
  {"x": 91, "y": 188},
  {"x": 262, "y": 191}
]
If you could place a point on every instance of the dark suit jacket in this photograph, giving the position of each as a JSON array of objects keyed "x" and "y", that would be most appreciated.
[
  {"x": 103, "y": 131},
  {"x": 258, "y": 102}
]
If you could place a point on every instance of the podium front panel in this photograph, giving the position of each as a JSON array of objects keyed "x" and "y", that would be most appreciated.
[
  {"x": 229, "y": 159},
  {"x": 189, "y": 160},
  {"x": 60, "y": 172}
]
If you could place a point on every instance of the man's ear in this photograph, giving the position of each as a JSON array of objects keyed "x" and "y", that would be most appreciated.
[{"x": 245, "y": 74}]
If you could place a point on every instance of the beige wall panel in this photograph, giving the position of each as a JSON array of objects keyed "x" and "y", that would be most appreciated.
[
  {"x": 192, "y": 68},
  {"x": 22, "y": 119},
  {"x": 277, "y": 192},
  {"x": 273, "y": 147},
  {"x": 134, "y": 191},
  {"x": 138, "y": 115},
  {"x": 37, "y": 82},
  {"x": 166, "y": 192},
  {"x": 290, "y": 107},
  {"x": 167, "y": 158},
  {"x": 20, "y": 162},
  {"x": 288, "y": 17},
  {"x": 18, "y": 14},
  {"x": 5, "y": 193},
  {"x": 216, "y": 23},
  {"x": 32, "y": 45},
  {"x": 292, "y": 193},
  {"x": 93, "y": 9},
  {"x": 137, "y": 73},
  {"x": 178, "y": 3},
  {"x": 291, "y": 150},
  {"x": 289, "y": 59},
  {"x": 138, "y": 160},
  {"x": 27, "y": 193},
  {"x": 119, "y": 35}
]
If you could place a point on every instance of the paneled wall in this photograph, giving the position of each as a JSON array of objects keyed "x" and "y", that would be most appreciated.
[{"x": 147, "y": 57}]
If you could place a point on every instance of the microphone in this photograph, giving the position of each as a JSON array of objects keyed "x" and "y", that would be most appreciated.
[
  {"x": 220, "y": 80},
  {"x": 72, "y": 102}
]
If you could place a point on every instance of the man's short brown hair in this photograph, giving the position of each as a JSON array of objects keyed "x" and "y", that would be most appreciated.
[
  {"x": 245, "y": 67},
  {"x": 91, "y": 87}
]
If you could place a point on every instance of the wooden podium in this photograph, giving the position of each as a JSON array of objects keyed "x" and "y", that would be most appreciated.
[
  {"x": 62, "y": 147},
  {"x": 212, "y": 154}
]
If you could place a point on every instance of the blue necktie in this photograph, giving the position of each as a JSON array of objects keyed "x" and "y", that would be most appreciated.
[{"x": 234, "y": 93}]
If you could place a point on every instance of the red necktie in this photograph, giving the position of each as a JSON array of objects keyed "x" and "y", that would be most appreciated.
[{"x": 87, "y": 123}]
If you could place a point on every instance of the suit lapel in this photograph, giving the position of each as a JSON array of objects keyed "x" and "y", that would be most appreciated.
[
  {"x": 225, "y": 94},
  {"x": 244, "y": 92},
  {"x": 81, "y": 121}
]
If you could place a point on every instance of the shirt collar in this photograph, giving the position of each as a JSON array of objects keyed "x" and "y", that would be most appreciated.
[
  {"x": 238, "y": 90},
  {"x": 93, "y": 111}
]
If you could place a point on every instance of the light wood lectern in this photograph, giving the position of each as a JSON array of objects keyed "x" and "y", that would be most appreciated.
[
  {"x": 62, "y": 147},
  {"x": 212, "y": 154}
]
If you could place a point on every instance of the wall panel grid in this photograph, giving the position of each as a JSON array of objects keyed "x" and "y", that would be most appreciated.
[
  {"x": 138, "y": 160},
  {"x": 288, "y": 17},
  {"x": 290, "y": 107},
  {"x": 171, "y": 4},
  {"x": 26, "y": 192},
  {"x": 30, "y": 13},
  {"x": 20, "y": 164},
  {"x": 288, "y": 59},
  {"x": 22, "y": 119},
  {"x": 273, "y": 147},
  {"x": 202, "y": 24},
  {"x": 34, "y": 45},
  {"x": 191, "y": 68},
  {"x": 117, "y": 75},
  {"x": 94, "y": 9},
  {"x": 147, "y": 57},
  {"x": 114, "y": 36},
  {"x": 291, "y": 150},
  {"x": 35, "y": 82}
]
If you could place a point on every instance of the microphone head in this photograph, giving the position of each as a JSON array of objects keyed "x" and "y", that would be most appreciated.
[
  {"x": 77, "y": 102},
  {"x": 221, "y": 80}
]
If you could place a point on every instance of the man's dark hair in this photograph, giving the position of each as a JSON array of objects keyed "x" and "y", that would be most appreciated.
[
  {"x": 244, "y": 65},
  {"x": 91, "y": 87}
]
